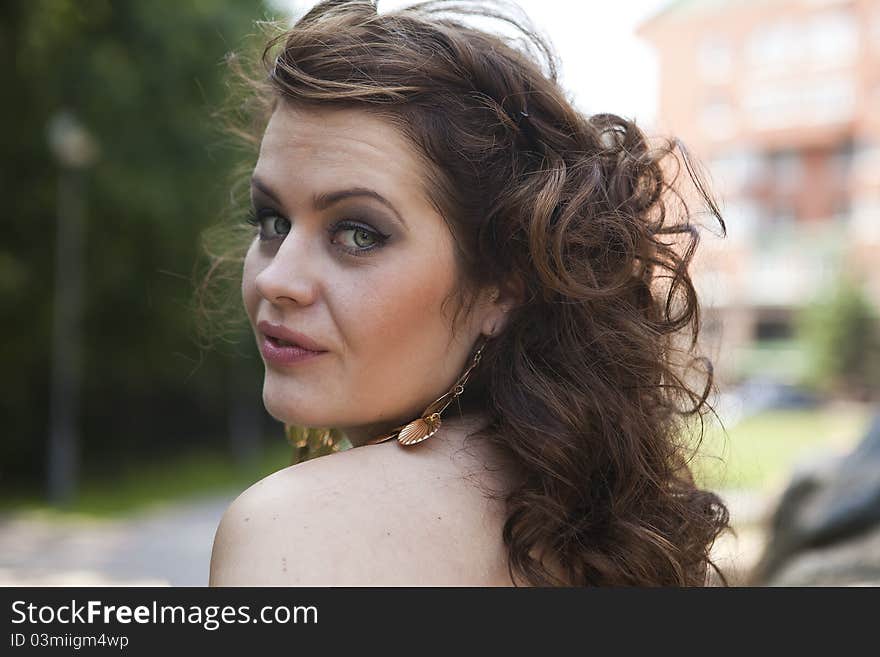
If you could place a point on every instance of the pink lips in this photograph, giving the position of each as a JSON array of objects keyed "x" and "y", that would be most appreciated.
[{"x": 282, "y": 346}]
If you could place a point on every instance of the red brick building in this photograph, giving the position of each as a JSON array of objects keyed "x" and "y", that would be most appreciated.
[{"x": 780, "y": 101}]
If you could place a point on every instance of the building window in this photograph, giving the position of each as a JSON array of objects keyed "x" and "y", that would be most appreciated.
[
  {"x": 778, "y": 327},
  {"x": 815, "y": 101},
  {"x": 840, "y": 161},
  {"x": 715, "y": 59},
  {"x": 832, "y": 38},
  {"x": 734, "y": 171},
  {"x": 826, "y": 39},
  {"x": 774, "y": 47},
  {"x": 841, "y": 211},
  {"x": 787, "y": 168}
]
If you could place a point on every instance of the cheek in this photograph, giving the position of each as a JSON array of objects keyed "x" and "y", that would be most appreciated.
[
  {"x": 251, "y": 268},
  {"x": 403, "y": 297},
  {"x": 398, "y": 340},
  {"x": 402, "y": 306}
]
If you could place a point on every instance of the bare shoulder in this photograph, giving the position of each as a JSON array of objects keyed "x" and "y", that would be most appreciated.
[{"x": 373, "y": 515}]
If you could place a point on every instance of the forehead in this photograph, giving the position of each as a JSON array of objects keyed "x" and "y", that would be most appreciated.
[{"x": 337, "y": 146}]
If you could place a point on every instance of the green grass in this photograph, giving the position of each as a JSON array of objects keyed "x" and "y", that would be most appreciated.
[
  {"x": 760, "y": 452},
  {"x": 138, "y": 487}
]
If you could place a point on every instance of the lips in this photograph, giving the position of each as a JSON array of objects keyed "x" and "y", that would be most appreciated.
[{"x": 281, "y": 336}]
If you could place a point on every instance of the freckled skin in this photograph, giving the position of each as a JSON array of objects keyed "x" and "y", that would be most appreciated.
[{"x": 391, "y": 351}]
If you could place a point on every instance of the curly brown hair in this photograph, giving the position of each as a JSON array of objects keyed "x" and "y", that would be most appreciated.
[{"x": 583, "y": 387}]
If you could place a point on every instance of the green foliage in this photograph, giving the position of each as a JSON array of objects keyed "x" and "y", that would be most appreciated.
[
  {"x": 840, "y": 334},
  {"x": 146, "y": 79}
]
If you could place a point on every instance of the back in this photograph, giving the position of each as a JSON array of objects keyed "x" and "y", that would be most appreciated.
[{"x": 371, "y": 516}]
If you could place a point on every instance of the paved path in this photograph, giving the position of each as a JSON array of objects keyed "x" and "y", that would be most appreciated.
[
  {"x": 165, "y": 546},
  {"x": 171, "y": 546}
]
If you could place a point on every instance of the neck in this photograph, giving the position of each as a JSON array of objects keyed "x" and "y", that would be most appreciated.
[{"x": 456, "y": 423}]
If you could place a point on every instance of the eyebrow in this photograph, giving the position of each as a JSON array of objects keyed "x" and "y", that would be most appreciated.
[{"x": 326, "y": 199}]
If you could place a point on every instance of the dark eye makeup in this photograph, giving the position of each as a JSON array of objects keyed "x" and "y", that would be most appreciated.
[{"x": 366, "y": 239}]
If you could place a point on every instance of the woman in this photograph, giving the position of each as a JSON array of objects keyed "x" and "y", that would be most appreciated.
[{"x": 484, "y": 291}]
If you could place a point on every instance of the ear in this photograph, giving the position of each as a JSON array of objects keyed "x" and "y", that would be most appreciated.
[{"x": 499, "y": 301}]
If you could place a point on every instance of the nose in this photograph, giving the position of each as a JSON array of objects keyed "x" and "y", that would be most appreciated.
[{"x": 290, "y": 276}]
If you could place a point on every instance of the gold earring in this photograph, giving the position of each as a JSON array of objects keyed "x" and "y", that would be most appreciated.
[
  {"x": 429, "y": 423},
  {"x": 310, "y": 442}
]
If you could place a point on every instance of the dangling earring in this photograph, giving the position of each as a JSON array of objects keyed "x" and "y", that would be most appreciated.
[
  {"x": 309, "y": 442},
  {"x": 428, "y": 424}
]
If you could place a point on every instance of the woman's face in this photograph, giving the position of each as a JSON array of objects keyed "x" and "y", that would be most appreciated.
[{"x": 362, "y": 278}]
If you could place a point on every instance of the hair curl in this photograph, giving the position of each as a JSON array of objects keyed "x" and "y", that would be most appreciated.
[{"x": 583, "y": 386}]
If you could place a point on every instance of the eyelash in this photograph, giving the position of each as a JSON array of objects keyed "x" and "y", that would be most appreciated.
[{"x": 256, "y": 218}]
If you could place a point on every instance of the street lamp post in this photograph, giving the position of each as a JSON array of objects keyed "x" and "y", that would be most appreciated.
[{"x": 74, "y": 150}]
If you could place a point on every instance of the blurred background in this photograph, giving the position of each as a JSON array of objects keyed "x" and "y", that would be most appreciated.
[{"x": 125, "y": 435}]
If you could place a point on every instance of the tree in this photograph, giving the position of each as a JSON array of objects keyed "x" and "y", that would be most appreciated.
[
  {"x": 145, "y": 78},
  {"x": 841, "y": 336}
]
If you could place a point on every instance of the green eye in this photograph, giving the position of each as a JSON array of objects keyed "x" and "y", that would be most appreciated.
[
  {"x": 363, "y": 238},
  {"x": 357, "y": 239},
  {"x": 271, "y": 225},
  {"x": 281, "y": 225}
]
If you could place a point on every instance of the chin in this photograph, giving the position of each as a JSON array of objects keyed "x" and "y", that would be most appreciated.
[
  {"x": 303, "y": 406},
  {"x": 292, "y": 409}
]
